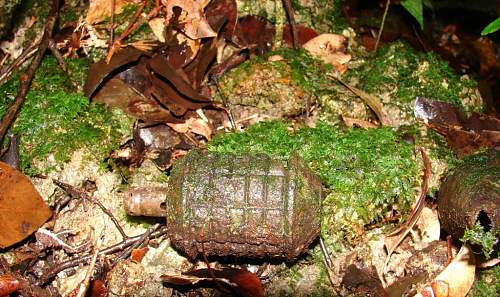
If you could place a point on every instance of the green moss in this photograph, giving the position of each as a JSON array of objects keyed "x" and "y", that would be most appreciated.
[
  {"x": 306, "y": 71},
  {"x": 478, "y": 236},
  {"x": 55, "y": 120},
  {"x": 403, "y": 74},
  {"x": 366, "y": 171},
  {"x": 488, "y": 283}
]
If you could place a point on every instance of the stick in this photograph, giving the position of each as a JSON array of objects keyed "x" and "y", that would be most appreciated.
[
  {"x": 51, "y": 272},
  {"x": 382, "y": 24},
  {"x": 26, "y": 79},
  {"x": 291, "y": 20}
]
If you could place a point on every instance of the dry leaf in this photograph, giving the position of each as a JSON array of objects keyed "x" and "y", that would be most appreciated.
[
  {"x": 456, "y": 279},
  {"x": 428, "y": 225},
  {"x": 22, "y": 210},
  {"x": 194, "y": 125},
  {"x": 101, "y": 9},
  {"x": 328, "y": 47},
  {"x": 157, "y": 25},
  {"x": 351, "y": 122},
  {"x": 239, "y": 282},
  {"x": 191, "y": 20}
]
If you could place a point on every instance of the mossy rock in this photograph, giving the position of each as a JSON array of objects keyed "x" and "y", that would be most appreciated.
[
  {"x": 56, "y": 120},
  {"x": 397, "y": 74}
]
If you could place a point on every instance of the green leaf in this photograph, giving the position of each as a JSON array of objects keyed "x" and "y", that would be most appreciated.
[
  {"x": 415, "y": 8},
  {"x": 492, "y": 27}
]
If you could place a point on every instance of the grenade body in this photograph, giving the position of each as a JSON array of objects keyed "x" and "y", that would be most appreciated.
[{"x": 242, "y": 206}]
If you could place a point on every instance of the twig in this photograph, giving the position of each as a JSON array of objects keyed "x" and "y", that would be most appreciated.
[
  {"x": 328, "y": 262},
  {"x": 136, "y": 245},
  {"x": 382, "y": 24},
  {"x": 25, "y": 55},
  {"x": 80, "y": 194},
  {"x": 133, "y": 25},
  {"x": 112, "y": 24},
  {"x": 227, "y": 109},
  {"x": 84, "y": 285},
  {"x": 58, "y": 56},
  {"x": 291, "y": 21},
  {"x": 68, "y": 248},
  {"x": 415, "y": 213},
  {"x": 26, "y": 79},
  {"x": 51, "y": 272}
]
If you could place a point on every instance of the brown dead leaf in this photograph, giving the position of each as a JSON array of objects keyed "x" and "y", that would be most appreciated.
[
  {"x": 235, "y": 281},
  {"x": 138, "y": 254},
  {"x": 191, "y": 20},
  {"x": 456, "y": 279},
  {"x": 351, "y": 122},
  {"x": 464, "y": 135},
  {"x": 101, "y": 9},
  {"x": 194, "y": 125},
  {"x": 22, "y": 210},
  {"x": 371, "y": 100},
  {"x": 329, "y": 48}
]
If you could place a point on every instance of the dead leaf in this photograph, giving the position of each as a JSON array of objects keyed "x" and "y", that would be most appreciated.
[
  {"x": 329, "y": 48},
  {"x": 304, "y": 33},
  {"x": 191, "y": 20},
  {"x": 100, "y": 71},
  {"x": 239, "y": 282},
  {"x": 255, "y": 33},
  {"x": 372, "y": 101},
  {"x": 8, "y": 284},
  {"x": 194, "y": 125},
  {"x": 22, "y": 210},
  {"x": 101, "y": 9},
  {"x": 428, "y": 225},
  {"x": 351, "y": 122},
  {"x": 98, "y": 289},
  {"x": 116, "y": 93},
  {"x": 157, "y": 25},
  {"x": 464, "y": 135},
  {"x": 456, "y": 279},
  {"x": 138, "y": 254}
]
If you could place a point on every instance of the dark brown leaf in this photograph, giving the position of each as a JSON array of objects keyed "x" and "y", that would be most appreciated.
[
  {"x": 304, "y": 33},
  {"x": 464, "y": 136},
  {"x": 117, "y": 93},
  {"x": 240, "y": 282},
  {"x": 99, "y": 71},
  {"x": 160, "y": 66},
  {"x": 22, "y": 210},
  {"x": 254, "y": 32}
]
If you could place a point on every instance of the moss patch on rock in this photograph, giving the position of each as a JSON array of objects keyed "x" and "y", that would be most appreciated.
[
  {"x": 55, "y": 120},
  {"x": 366, "y": 172},
  {"x": 398, "y": 75}
]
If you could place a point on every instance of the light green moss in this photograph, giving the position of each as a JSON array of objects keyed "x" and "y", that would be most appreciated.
[
  {"x": 56, "y": 120},
  {"x": 366, "y": 171},
  {"x": 401, "y": 74},
  {"x": 488, "y": 284}
]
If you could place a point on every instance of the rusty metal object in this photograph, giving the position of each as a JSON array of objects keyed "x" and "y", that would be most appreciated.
[
  {"x": 242, "y": 206},
  {"x": 471, "y": 194}
]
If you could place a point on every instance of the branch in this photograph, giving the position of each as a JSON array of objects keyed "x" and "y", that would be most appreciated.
[{"x": 26, "y": 79}]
